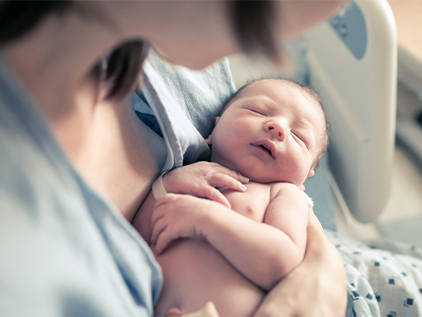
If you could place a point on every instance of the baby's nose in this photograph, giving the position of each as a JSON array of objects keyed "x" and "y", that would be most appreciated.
[{"x": 278, "y": 129}]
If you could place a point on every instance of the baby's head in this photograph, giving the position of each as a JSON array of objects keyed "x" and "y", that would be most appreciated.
[{"x": 271, "y": 130}]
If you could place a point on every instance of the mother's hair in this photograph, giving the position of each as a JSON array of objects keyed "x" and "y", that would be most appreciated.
[
  {"x": 252, "y": 23},
  {"x": 123, "y": 64}
]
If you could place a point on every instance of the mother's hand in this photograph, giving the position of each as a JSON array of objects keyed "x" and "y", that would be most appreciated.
[
  {"x": 317, "y": 287},
  {"x": 202, "y": 180}
]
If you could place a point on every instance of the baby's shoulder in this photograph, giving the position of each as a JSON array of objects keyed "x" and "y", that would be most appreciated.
[
  {"x": 284, "y": 189},
  {"x": 284, "y": 186}
]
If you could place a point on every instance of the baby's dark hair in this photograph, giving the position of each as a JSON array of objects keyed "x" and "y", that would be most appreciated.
[{"x": 310, "y": 92}]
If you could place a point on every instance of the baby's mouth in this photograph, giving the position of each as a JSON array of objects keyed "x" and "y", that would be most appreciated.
[
  {"x": 267, "y": 149},
  {"x": 264, "y": 148}
]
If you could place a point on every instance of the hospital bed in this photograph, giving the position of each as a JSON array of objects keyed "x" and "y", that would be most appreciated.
[{"x": 351, "y": 62}]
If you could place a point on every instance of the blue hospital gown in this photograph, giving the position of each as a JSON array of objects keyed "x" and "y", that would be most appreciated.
[{"x": 64, "y": 249}]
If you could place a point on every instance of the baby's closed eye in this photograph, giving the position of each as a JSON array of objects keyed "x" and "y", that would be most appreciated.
[{"x": 300, "y": 137}]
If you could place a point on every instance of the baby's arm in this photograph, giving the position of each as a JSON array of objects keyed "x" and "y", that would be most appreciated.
[
  {"x": 199, "y": 179},
  {"x": 316, "y": 287},
  {"x": 289, "y": 212},
  {"x": 263, "y": 252}
]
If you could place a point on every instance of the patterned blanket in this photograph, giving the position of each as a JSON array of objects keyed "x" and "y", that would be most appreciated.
[{"x": 384, "y": 277}]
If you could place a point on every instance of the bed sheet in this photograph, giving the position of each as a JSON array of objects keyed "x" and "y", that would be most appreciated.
[{"x": 384, "y": 277}]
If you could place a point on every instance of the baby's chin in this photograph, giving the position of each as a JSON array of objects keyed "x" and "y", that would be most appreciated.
[
  {"x": 256, "y": 176},
  {"x": 268, "y": 179}
]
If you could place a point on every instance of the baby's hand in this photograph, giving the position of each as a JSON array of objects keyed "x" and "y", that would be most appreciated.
[
  {"x": 177, "y": 216},
  {"x": 202, "y": 180}
]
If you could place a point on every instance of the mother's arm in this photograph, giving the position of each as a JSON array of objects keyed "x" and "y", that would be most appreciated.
[{"x": 317, "y": 287}]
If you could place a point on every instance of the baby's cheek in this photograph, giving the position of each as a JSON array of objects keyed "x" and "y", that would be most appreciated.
[{"x": 294, "y": 171}]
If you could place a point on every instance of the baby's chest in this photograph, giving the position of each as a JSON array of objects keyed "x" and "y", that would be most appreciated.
[{"x": 252, "y": 203}]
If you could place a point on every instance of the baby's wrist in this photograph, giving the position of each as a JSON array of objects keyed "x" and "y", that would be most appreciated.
[
  {"x": 211, "y": 219},
  {"x": 158, "y": 188}
]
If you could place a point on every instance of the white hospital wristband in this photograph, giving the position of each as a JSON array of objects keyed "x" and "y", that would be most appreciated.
[{"x": 158, "y": 189}]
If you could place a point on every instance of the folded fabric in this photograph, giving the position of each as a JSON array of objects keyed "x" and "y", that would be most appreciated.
[{"x": 185, "y": 103}]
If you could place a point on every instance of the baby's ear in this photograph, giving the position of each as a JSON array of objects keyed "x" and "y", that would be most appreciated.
[
  {"x": 208, "y": 140},
  {"x": 311, "y": 173}
]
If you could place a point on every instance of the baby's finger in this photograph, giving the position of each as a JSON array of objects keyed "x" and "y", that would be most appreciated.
[
  {"x": 159, "y": 207},
  {"x": 233, "y": 174},
  {"x": 223, "y": 180},
  {"x": 163, "y": 200},
  {"x": 162, "y": 242},
  {"x": 215, "y": 195},
  {"x": 158, "y": 227},
  {"x": 157, "y": 214}
]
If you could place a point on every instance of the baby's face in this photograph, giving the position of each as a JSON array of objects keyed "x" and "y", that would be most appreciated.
[{"x": 270, "y": 133}]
